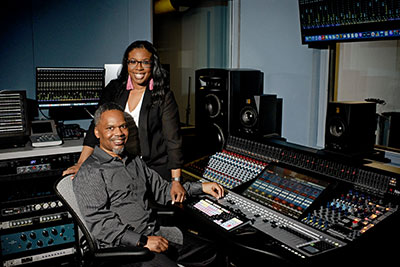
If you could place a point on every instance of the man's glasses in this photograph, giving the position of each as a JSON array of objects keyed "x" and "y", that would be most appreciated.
[{"x": 133, "y": 63}]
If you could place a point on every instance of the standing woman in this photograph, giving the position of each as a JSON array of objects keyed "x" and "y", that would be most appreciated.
[{"x": 142, "y": 90}]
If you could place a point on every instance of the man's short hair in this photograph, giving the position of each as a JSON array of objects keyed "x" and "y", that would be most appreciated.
[
  {"x": 106, "y": 107},
  {"x": 133, "y": 144}
]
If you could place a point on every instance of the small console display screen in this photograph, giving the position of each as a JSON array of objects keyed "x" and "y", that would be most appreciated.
[
  {"x": 42, "y": 127},
  {"x": 285, "y": 190}
]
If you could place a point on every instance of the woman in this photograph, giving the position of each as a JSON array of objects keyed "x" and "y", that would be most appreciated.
[{"x": 142, "y": 90}]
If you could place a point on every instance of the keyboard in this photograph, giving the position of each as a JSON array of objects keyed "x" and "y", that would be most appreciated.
[
  {"x": 45, "y": 140},
  {"x": 217, "y": 214}
]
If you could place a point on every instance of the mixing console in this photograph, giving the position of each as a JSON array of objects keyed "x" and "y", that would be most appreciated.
[
  {"x": 350, "y": 215},
  {"x": 295, "y": 237},
  {"x": 195, "y": 168},
  {"x": 285, "y": 190},
  {"x": 231, "y": 169},
  {"x": 312, "y": 205}
]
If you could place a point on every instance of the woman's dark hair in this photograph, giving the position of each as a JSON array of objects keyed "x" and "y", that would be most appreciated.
[{"x": 159, "y": 74}]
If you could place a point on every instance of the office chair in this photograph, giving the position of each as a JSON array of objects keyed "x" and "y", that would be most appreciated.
[{"x": 91, "y": 254}]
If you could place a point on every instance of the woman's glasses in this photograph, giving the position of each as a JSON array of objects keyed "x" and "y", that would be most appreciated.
[{"x": 132, "y": 63}]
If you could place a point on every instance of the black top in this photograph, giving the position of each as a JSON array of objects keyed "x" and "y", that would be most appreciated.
[{"x": 159, "y": 134}]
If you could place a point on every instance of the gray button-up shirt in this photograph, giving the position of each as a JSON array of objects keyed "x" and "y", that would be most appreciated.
[{"x": 113, "y": 196}]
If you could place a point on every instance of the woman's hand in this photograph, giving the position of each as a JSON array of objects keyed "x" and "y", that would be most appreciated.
[
  {"x": 86, "y": 152},
  {"x": 72, "y": 170}
]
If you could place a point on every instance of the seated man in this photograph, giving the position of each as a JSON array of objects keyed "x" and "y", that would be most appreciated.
[{"x": 113, "y": 192}]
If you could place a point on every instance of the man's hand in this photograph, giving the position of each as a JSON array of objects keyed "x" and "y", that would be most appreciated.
[
  {"x": 157, "y": 244},
  {"x": 214, "y": 189},
  {"x": 178, "y": 193}
]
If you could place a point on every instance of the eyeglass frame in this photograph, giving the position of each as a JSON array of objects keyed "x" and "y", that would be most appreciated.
[{"x": 144, "y": 63}]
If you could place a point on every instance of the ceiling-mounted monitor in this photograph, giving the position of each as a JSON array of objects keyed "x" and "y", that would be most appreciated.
[{"x": 326, "y": 22}]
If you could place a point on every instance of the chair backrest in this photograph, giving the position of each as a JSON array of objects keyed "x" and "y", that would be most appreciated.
[{"x": 64, "y": 189}]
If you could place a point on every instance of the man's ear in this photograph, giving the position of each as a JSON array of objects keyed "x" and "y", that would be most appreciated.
[{"x": 96, "y": 132}]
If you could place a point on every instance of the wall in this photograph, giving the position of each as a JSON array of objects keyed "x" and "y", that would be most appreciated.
[
  {"x": 370, "y": 70},
  {"x": 66, "y": 33},
  {"x": 191, "y": 40},
  {"x": 270, "y": 41},
  {"x": 96, "y": 32}
]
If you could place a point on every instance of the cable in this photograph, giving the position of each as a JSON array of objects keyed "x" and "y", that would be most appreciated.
[
  {"x": 47, "y": 118},
  {"x": 88, "y": 112}
]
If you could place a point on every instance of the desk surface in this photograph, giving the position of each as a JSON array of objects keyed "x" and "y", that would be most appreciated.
[{"x": 69, "y": 146}]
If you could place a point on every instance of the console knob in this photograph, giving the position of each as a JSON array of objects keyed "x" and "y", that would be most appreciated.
[
  {"x": 32, "y": 235},
  {"x": 39, "y": 243},
  {"x": 45, "y": 233},
  {"x": 23, "y": 237}
]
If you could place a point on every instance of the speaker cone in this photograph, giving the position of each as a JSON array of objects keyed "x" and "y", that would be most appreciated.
[
  {"x": 217, "y": 135},
  {"x": 212, "y": 105}
]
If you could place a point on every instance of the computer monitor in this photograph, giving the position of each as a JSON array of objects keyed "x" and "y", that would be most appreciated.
[
  {"x": 326, "y": 22},
  {"x": 69, "y": 93}
]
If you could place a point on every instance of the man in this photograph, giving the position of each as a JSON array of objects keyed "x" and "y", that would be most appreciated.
[{"x": 113, "y": 191}]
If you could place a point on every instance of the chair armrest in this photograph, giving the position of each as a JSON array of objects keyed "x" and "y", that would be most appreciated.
[{"x": 122, "y": 252}]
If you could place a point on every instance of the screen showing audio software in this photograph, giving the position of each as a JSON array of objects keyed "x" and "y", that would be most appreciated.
[
  {"x": 285, "y": 190},
  {"x": 327, "y": 21}
]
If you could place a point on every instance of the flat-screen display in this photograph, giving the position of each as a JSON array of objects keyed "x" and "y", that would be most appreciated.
[
  {"x": 326, "y": 22},
  {"x": 69, "y": 93}
]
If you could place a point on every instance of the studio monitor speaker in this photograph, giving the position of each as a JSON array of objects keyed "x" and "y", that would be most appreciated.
[
  {"x": 217, "y": 95},
  {"x": 259, "y": 116},
  {"x": 350, "y": 127}
]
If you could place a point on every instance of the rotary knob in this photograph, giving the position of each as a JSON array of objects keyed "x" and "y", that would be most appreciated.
[
  {"x": 45, "y": 233},
  {"x": 32, "y": 235},
  {"x": 23, "y": 237},
  {"x": 39, "y": 243}
]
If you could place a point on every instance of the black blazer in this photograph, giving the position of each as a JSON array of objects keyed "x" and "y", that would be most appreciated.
[{"x": 159, "y": 132}]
